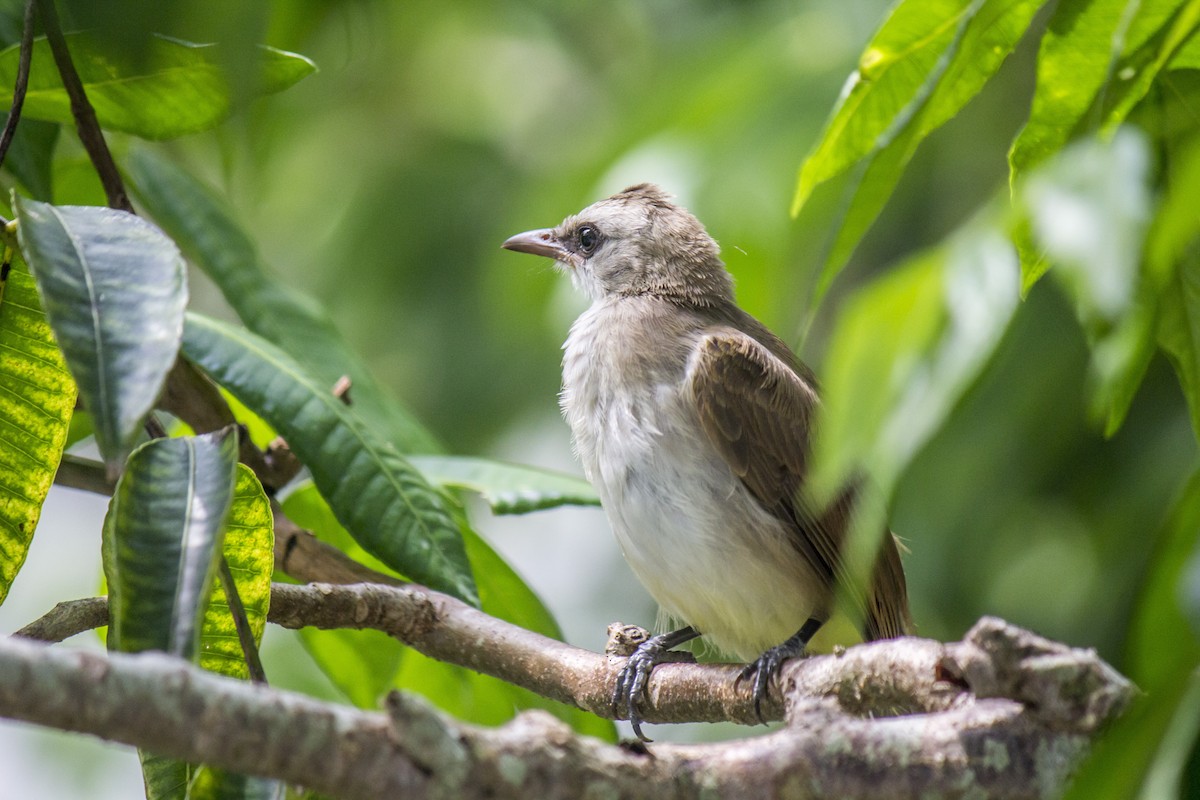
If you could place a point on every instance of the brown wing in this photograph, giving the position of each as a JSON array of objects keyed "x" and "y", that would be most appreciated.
[{"x": 757, "y": 410}]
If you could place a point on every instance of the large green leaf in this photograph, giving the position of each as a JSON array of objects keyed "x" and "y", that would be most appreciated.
[
  {"x": 163, "y": 535},
  {"x": 507, "y": 488},
  {"x": 36, "y": 399},
  {"x": 924, "y": 64},
  {"x": 905, "y": 349},
  {"x": 213, "y": 240},
  {"x": 114, "y": 290},
  {"x": 1090, "y": 210},
  {"x": 379, "y": 496},
  {"x": 177, "y": 88}
]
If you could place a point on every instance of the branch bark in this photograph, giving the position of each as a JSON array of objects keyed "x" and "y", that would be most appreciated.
[{"x": 965, "y": 744}]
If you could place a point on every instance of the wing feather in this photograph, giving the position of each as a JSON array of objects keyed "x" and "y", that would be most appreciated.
[{"x": 757, "y": 410}]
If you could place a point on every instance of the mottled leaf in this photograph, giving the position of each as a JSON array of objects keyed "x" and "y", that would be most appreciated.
[{"x": 36, "y": 399}]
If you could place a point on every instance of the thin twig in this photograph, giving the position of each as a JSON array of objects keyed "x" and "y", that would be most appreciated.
[
  {"x": 76, "y": 472},
  {"x": 81, "y": 108},
  {"x": 22, "y": 82},
  {"x": 241, "y": 622}
]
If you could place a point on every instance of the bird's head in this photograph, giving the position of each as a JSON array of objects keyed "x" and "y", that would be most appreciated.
[{"x": 635, "y": 243}]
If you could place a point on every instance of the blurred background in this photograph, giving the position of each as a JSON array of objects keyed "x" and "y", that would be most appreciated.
[{"x": 384, "y": 184}]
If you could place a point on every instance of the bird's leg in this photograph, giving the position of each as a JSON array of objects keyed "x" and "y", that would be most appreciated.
[
  {"x": 766, "y": 667},
  {"x": 631, "y": 681}
]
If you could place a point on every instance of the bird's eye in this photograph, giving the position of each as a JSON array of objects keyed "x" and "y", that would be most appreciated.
[{"x": 589, "y": 237}]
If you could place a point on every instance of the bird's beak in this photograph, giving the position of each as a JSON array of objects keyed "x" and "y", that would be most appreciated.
[{"x": 541, "y": 242}]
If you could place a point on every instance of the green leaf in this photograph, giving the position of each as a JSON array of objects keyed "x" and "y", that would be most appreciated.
[
  {"x": 30, "y": 158},
  {"x": 1127, "y": 762},
  {"x": 213, "y": 240},
  {"x": 1139, "y": 71},
  {"x": 1173, "y": 256},
  {"x": 507, "y": 488},
  {"x": 211, "y": 783},
  {"x": 381, "y": 499},
  {"x": 178, "y": 88},
  {"x": 1077, "y": 61},
  {"x": 1089, "y": 211},
  {"x": 36, "y": 399},
  {"x": 924, "y": 64},
  {"x": 905, "y": 349},
  {"x": 114, "y": 291},
  {"x": 1162, "y": 640},
  {"x": 164, "y": 530}
]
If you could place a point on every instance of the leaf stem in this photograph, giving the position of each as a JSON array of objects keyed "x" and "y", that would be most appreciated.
[{"x": 81, "y": 108}]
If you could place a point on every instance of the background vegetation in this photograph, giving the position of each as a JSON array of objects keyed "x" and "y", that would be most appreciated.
[{"x": 382, "y": 185}]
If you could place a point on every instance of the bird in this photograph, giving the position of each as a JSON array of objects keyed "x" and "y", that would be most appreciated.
[{"x": 693, "y": 422}]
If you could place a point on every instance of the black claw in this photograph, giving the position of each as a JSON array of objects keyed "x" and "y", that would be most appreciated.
[
  {"x": 635, "y": 675},
  {"x": 766, "y": 667}
]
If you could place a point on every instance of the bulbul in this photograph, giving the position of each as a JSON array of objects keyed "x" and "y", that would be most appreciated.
[{"x": 692, "y": 421}]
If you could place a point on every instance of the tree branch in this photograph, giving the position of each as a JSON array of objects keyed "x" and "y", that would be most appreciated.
[
  {"x": 898, "y": 677},
  {"x": 992, "y": 746},
  {"x": 22, "y": 81}
]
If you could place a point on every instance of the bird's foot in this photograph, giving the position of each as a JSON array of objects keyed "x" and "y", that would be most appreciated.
[
  {"x": 765, "y": 668},
  {"x": 633, "y": 678}
]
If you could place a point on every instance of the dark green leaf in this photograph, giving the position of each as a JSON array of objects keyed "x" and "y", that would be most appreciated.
[
  {"x": 905, "y": 349},
  {"x": 179, "y": 88},
  {"x": 36, "y": 399},
  {"x": 214, "y": 241},
  {"x": 30, "y": 157},
  {"x": 114, "y": 291},
  {"x": 381, "y": 499},
  {"x": 924, "y": 64},
  {"x": 164, "y": 530},
  {"x": 507, "y": 488}
]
